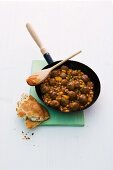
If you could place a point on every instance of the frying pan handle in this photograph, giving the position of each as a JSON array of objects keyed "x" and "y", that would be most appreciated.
[{"x": 48, "y": 58}]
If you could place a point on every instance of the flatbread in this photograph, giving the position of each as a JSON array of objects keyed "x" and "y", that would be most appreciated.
[
  {"x": 32, "y": 111},
  {"x": 30, "y": 124}
]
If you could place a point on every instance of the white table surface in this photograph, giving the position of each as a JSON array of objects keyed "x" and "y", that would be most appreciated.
[{"x": 64, "y": 27}]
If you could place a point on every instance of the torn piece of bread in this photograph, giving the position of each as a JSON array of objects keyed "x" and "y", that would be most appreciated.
[
  {"x": 30, "y": 124},
  {"x": 32, "y": 111}
]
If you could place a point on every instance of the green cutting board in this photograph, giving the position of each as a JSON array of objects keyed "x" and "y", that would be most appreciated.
[{"x": 56, "y": 118}]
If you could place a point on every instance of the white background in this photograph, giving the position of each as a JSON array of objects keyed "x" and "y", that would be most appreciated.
[{"x": 64, "y": 27}]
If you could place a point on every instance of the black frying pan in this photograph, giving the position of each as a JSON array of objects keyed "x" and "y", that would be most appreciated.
[
  {"x": 71, "y": 64},
  {"x": 75, "y": 66}
]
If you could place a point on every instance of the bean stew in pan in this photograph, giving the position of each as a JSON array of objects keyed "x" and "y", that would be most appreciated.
[{"x": 67, "y": 90}]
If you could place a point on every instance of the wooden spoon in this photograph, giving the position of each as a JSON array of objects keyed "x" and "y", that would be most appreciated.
[
  {"x": 41, "y": 75},
  {"x": 37, "y": 40}
]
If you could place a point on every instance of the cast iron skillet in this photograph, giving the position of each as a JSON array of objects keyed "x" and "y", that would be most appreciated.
[{"x": 74, "y": 65}]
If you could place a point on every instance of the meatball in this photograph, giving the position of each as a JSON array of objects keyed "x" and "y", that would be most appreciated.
[
  {"x": 44, "y": 88},
  {"x": 64, "y": 101},
  {"x": 54, "y": 73},
  {"x": 54, "y": 103},
  {"x": 53, "y": 94},
  {"x": 71, "y": 85},
  {"x": 64, "y": 68},
  {"x": 74, "y": 73},
  {"x": 64, "y": 82},
  {"x": 83, "y": 99},
  {"x": 72, "y": 94},
  {"x": 63, "y": 75},
  {"x": 77, "y": 84},
  {"x": 85, "y": 78},
  {"x": 52, "y": 81},
  {"x": 84, "y": 90},
  {"x": 74, "y": 106}
]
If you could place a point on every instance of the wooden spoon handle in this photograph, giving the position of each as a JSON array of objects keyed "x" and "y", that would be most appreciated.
[
  {"x": 36, "y": 38},
  {"x": 65, "y": 60}
]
